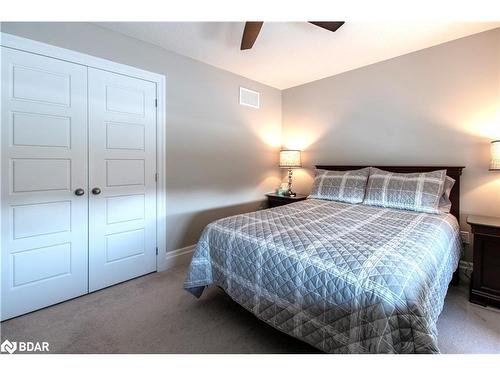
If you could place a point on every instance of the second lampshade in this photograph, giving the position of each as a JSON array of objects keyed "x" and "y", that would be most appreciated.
[{"x": 495, "y": 156}]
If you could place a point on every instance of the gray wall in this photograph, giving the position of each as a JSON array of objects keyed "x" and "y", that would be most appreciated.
[
  {"x": 221, "y": 157},
  {"x": 437, "y": 106}
]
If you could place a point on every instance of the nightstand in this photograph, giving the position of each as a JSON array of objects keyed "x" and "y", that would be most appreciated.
[
  {"x": 275, "y": 200},
  {"x": 485, "y": 281}
]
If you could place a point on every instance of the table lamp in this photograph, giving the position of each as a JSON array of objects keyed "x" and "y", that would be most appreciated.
[
  {"x": 290, "y": 159},
  {"x": 495, "y": 156}
]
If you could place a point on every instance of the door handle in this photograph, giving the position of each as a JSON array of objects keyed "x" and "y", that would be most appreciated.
[
  {"x": 96, "y": 191},
  {"x": 79, "y": 191}
]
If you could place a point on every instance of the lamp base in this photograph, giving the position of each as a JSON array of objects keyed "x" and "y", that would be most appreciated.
[{"x": 289, "y": 192}]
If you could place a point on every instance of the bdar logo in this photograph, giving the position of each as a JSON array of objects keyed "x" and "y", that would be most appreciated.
[
  {"x": 24, "y": 346},
  {"x": 9, "y": 347}
]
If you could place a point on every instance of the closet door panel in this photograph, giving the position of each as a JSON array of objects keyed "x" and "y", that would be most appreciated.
[
  {"x": 122, "y": 155},
  {"x": 44, "y": 160}
]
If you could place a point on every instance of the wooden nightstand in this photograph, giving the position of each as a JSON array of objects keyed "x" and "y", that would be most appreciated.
[
  {"x": 275, "y": 200},
  {"x": 485, "y": 282}
]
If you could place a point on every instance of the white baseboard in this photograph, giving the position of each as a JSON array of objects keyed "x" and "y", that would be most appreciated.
[{"x": 177, "y": 257}]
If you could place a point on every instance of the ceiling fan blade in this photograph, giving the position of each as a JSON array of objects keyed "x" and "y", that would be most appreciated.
[
  {"x": 330, "y": 26},
  {"x": 250, "y": 34}
]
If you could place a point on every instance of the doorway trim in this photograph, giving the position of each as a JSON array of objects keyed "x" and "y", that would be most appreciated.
[{"x": 48, "y": 50}]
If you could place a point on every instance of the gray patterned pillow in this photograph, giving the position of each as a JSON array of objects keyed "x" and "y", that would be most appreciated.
[
  {"x": 409, "y": 191},
  {"x": 342, "y": 186}
]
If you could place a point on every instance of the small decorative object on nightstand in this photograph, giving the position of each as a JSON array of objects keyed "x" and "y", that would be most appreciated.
[
  {"x": 275, "y": 200},
  {"x": 290, "y": 159},
  {"x": 485, "y": 282}
]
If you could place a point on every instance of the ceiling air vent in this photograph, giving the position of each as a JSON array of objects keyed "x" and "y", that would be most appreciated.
[{"x": 249, "y": 98}]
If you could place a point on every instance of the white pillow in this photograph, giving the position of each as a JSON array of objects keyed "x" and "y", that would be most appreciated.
[{"x": 444, "y": 201}]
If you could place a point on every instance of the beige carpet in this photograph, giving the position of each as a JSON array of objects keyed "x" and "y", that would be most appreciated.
[{"x": 152, "y": 314}]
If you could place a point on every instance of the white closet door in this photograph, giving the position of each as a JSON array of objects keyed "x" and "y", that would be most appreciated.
[
  {"x": 44, "y": 160},
  {"x": 122, "y": 155}
]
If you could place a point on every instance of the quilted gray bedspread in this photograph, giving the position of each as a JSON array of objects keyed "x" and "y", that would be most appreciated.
[{"x": 345, "y": 278}]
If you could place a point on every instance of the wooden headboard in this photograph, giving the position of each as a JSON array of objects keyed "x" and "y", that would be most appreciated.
[{"x": 453, "y": 172}]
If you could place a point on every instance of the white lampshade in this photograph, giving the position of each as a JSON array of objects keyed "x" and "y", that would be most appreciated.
[
  {"x": 495, "y": 156},
  {"x": 290, "y": 159}
]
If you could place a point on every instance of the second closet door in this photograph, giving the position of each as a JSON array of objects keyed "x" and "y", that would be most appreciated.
[{"x": 122, "y": 186}]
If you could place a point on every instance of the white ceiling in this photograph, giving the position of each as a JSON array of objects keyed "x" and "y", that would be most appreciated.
[{"x": 288, "y": 54}]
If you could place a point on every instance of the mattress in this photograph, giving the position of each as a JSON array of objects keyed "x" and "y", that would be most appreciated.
[{"x": 345, "y": 278}]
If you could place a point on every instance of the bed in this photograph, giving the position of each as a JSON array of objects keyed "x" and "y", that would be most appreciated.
[{"x": 345, "y": 278}]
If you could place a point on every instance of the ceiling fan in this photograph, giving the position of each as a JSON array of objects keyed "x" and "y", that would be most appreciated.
[{"x": 252, "y": 30}]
